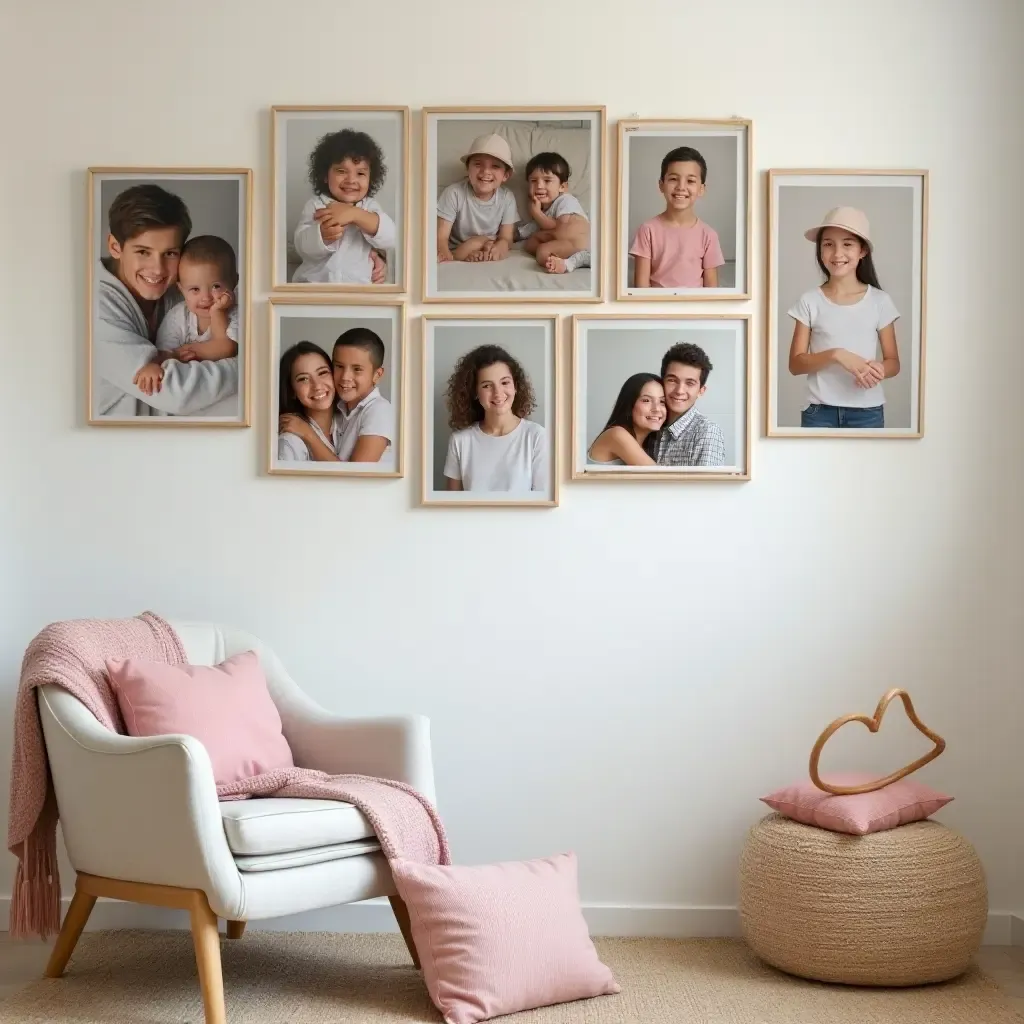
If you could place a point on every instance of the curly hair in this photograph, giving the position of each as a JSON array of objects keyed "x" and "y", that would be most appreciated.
[
  {"x": 349, "y": 144},
  {"x": 463, "y": 408}
]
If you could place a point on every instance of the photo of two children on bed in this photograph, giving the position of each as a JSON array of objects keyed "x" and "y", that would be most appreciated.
[{"x": 478, "y": 218}]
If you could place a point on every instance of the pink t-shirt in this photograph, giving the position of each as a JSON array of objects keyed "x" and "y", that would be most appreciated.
[{"x": 679, "y": 255}]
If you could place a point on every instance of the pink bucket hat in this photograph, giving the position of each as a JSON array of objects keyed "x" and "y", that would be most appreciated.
[
  {"x": 846, "y": 217},
  {"x": 490, "y": 145}
]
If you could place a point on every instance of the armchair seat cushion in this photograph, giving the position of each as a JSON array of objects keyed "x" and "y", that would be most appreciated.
[
  {"x": 264, "y": 826},
  {"x": 301, "y": 858}
]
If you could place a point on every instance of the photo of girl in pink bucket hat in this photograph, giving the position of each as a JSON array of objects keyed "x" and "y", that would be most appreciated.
[{"x": 844, "y": 338}]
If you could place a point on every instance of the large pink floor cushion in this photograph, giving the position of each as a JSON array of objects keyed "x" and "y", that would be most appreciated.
[
  {"x": 227, "y": 707},
  {"x": 500, "y": 938}
]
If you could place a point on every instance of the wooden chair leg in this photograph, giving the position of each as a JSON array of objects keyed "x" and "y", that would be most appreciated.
[
  {"x": 206, "y": 939},
  {"x": 205, "y": 934},
  {"x": 236, "y": 929},
  {"x": 404, "y": 926},
  {"x": 70, "y": 932}
]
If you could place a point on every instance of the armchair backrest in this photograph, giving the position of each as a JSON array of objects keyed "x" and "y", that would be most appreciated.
[{"x": 208, "y": 644}]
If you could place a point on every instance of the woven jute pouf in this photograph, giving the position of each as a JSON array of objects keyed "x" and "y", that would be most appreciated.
[{"x": 906, "y": 906}]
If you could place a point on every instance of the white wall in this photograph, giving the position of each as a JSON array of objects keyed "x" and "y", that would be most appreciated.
[{"x": 626, "y": 674}]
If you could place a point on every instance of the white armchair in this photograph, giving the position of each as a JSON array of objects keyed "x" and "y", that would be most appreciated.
[{"x": 142, "y": 822}]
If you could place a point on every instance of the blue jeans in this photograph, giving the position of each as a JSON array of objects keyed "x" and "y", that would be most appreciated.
[{"x": 817, "y": 416}]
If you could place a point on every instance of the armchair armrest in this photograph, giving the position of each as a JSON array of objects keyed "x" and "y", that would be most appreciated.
[
  {"x": 137, "y": 808},
  {"x": 386, "y": 747}
]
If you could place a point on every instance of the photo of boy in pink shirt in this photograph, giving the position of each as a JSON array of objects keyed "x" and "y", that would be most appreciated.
[{"x": 677, "y": 249}]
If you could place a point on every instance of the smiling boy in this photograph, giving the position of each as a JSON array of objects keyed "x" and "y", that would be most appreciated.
[
  {"x": 476, "y": 217},
  {"x": 136, "y": 288},
  {"x": 688, "y": 437},
  {"x": 677, "y": 249}
]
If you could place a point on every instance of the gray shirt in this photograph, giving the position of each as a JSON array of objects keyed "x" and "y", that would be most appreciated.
[
  {"x": 471, "y": 216},
  {"x": 563, "y": 206},
  {"x": 121, "y": 347},
  {"x": 691, "y": 440}
]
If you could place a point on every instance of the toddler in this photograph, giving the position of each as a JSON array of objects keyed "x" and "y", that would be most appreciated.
[
  {"x": 677, "y": 249},
  {"x": 476, "y": 217},
  {"x": 559, "y": 229},
  {"x": 342, "y": 226},
  {"x": 205, "y": 325}
]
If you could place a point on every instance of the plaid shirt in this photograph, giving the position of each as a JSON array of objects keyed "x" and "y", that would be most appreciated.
[{"x": 692, "y": 440}]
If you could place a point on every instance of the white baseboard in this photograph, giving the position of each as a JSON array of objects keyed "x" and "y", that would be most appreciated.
[{"x": 651, "y": 921}]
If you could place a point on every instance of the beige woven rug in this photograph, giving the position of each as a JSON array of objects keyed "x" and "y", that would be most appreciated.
[{"x": 309, "y": 978}]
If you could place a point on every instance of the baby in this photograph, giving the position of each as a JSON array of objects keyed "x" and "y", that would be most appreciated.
[
  {"x": 677, "y": 249},
  {"x": 559, "y": 229},
  {"x": 342, "y": 226},
  {"x": 205, "y": 325},
  {"x": 476, "y": 217}
]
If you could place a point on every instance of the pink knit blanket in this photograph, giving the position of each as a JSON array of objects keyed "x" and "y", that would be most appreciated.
[{"x": 72, "y": 655}]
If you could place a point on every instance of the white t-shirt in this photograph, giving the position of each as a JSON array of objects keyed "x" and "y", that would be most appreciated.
[
  {"x": 373, "y": 415},
  {"x": 346, "y": 260},
  {"x": 181, "y": 327},
  {"x": 471, "y": 216},
  {"x": 291, "y": 447},
  {"x": 518, "y": 461},
  {"x": 854, "y": 327}
]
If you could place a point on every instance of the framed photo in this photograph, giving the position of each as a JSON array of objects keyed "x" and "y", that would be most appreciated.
[
  {"x": 340, "y": 208},
  {"x": 661, "y": 397},
  {"x": 490, "y": 410},
  {"x": 337, "y": 387},
  {"x": 512, "y": 204},
  {"x": 847, "y": 272},
  {"x": 684, "y": 210},
  {"x": 169, "y": 296}
]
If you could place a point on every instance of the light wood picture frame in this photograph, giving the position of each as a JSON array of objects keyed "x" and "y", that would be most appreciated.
[
  {"x": 465, "y": 355},
  {"x": 305, "y": 142},
  {"x": 346, "y": 342},
  {"x": 146, "y": 364},
  {"x": 576, "y": 134},
  {"x": 713, "y": 181},
  {"x": 891, "y": 206},
  {"x": 638, "y": 374}
]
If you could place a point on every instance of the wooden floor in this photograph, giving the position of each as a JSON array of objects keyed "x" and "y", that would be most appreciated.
[{"x": 22, "y": 962}]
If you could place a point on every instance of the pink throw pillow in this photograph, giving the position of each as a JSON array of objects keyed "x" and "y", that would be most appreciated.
[
  {"x": 227, "y": 707},
  {"x": 858, "y": 814},
  {"x": 500, "y": 938}
]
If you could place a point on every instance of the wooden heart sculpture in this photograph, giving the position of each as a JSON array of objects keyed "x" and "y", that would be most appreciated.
[{"x": 873, "y": 723}]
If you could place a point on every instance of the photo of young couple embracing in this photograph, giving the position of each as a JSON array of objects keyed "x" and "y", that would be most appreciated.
[
  {"x": 661, "y": 396},
  {"x": 655, "y": 420}
]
